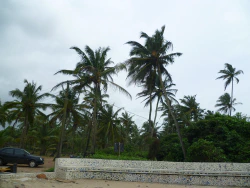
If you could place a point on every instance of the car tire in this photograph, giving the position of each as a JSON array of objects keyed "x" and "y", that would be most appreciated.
[
  {"x": 32, "y": 164},
  {"x": 1, "y": 162}
]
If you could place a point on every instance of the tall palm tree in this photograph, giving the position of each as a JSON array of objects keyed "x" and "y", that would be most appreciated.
[
  {"x": 65, "y": 109},
  {"x": 94, "y": 70},
  {"x": 153, "y": 56},
  {"x": 226, "y": 104},
  {"x": 229, "y": 74},
  {"x": 26, "y": 106},
  {"x": 157, "y": 94}
]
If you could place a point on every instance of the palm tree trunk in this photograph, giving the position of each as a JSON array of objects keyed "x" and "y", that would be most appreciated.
[
  {"x": 88, "y": 139},
  {"x": 24, "y": 132},
  {"x": 59, "y": 152},
  {"x": 150, "y": 114},
  {"x": 171, "y": 112},
  {"x": 232, "y": 98},
  {"x": 156, "y": 110},
  {"x": 150, "y": 105},
  {"x": 94, "y": 124}
]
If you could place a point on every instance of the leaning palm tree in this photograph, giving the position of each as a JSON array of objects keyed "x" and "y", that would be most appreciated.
[
  {"x": 157, "y": 94},
  {"x": 226, "y": 104},
  {"x": 26, "y": 106},
  {"x": 94, "y": 70},
  {"x": 153, "y": 56},
  {"x": 229, "y": 74}
]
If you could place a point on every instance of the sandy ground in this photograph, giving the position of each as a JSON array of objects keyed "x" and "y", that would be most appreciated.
[{"x": 84, "y": 183}]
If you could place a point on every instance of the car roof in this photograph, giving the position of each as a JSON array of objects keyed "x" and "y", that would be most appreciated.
[{"x": 9, "y": 148}]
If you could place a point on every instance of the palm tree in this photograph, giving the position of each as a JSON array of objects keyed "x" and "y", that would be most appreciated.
[
  {"x": 148, "y": 141},
  {"x": 94, "y": 70},
  {"x": 157, "y": 95},
  {"x": 4, "y": 115},
  {"x": 109, "y": 127},
  {"x": 65, "y": 109},
  {"x": 191, "y": 108},
  {"x": 153, "y": 56},
  {"x": 226, "y": 104},
  {"x": 229, "y": 74},
  {"x": 44, "y": 134},
  {"x": 128, "y": 126},
  {"x": 26, "y": 106}
]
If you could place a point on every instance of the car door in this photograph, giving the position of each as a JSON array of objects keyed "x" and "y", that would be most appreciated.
[
  {"x": 7, "y": 155},
  {"x": 20, "y": 156}
]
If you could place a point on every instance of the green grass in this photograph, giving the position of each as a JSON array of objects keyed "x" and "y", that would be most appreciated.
[{"x": 50, "y": 170}]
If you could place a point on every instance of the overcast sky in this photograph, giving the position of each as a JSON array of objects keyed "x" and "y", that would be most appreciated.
[{"x": 35, "y": 37}]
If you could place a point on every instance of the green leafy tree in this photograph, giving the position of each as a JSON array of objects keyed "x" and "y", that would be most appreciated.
[
  {"x": 205, "y": 151},
  {"x": 170, "y": 148},
  {"x": 224, "y": 136},
  {"x": 153, "y": 57},
  {"x": 230, "y": 74}
]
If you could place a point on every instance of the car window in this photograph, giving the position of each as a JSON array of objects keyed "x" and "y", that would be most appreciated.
[
  {"x": 19, "y": 152},
  {"x": 26, "y": 152},
  {"x": 8, "y": 151}
]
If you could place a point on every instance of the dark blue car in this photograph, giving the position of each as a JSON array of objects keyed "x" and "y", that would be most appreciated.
[{"x": 19, "y": 156}]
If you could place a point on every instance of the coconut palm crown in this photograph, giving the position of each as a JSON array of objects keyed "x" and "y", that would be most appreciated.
[{"x": 230, "y": 74}]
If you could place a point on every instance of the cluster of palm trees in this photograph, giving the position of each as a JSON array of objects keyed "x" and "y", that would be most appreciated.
[
  {"x": 82, "y": 119},
  {"x": 226, "y": 102}
]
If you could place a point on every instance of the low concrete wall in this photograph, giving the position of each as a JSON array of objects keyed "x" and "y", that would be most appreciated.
[{"x": 218, "y": 174}]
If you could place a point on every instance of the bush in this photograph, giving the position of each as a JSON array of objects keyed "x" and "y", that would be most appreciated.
[
  {"x": 205, "y": 151},
  {"x": 170, "y": 149}
]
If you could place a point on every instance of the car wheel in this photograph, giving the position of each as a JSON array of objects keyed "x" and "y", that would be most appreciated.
[
  {"x": 32, "y": 164},
  {"x": 1, "y": 162}
]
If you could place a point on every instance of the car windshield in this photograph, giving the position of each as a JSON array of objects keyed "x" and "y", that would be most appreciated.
[{"x": 26, "y": 152}]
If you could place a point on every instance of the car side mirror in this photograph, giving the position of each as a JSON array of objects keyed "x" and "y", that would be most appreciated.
[{"x": 24, "y": 154}]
